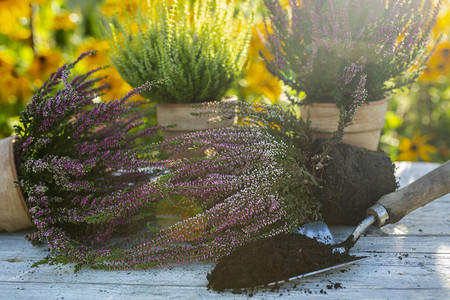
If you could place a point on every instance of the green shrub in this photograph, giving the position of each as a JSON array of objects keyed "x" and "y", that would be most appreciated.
[
  {"x": 195, "y": 49},
  {"x": 330, "y": 49}
]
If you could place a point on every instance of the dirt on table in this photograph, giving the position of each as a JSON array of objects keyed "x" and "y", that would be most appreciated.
[{"x": 272, "y": 259}]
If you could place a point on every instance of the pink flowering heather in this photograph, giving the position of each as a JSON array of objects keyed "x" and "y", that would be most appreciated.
[
  {"x": 77, "y": 158},
  {"x": 253, "y": 181},
  {"x": 326, "y": 47}
]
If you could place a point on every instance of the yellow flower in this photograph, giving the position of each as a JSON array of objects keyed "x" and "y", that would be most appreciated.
[
  {"x": 415, "y": 148},
  {"x": 258, "y": 80},
  {"x": 122, "y": 8},
  {"x": 6, "y": 62},
  {"x": 13, "y": 86},
  {"x": 256, "y": 44},
  {"x": 119, "y": 87},
  {"x": 439, "y": 64},
  {"x": 98, "y": 59},
  {"x": 44, "y": 64},
  {"x": 442, "y": 25},
  {"x": 11, "y": 14},
  {"x": 65, "y": 21},
  {"x": 285, "y": 3}
]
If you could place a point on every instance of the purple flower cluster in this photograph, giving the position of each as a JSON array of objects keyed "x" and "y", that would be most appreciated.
[
  {"x": 246, "y": 180},
  {"x": 321, "y": 41},
  {"x": 77, "y": 158}
]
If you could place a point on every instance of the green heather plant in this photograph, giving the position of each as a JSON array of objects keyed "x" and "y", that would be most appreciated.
[
  {"x": 326, "y": 47},
  {"x": 194, "y": 48}
]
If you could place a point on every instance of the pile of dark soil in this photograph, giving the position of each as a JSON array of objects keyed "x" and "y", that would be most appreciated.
[
  {"x": 273, "y": 259},
  {"x": 353, "y": 181}
]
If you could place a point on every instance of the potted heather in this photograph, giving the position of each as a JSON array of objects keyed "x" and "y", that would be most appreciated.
[
  {"x": 72, "y": 161},
  {"x": 332, "y": 50},
  {"x": 193, "y": 49}
]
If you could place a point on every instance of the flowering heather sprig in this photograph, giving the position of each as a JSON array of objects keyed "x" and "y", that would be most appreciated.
[
  {"x": 359, "y": 96},
  {"x": 321, "y": 40},
  {"x": 69, "y": 150},
  {"x": 254, "y": 181}
]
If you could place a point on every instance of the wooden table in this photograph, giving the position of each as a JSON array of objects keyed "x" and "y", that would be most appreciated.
[{"x": 408, "y": 260}]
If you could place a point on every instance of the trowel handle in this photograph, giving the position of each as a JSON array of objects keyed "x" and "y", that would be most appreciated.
[{"x": 427, "y": 188}]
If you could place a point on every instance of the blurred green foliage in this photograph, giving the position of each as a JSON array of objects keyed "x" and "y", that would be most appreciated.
[
  {"x": 418, "y": 121},
  {"x": 423, "y": 110}
]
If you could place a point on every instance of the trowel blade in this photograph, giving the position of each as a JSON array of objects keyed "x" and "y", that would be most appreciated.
[{"x": 316, "y": 230}]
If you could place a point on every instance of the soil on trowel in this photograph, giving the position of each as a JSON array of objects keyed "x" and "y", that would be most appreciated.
[
  {"x": 271, "y": 260},
  {"x": 354, "y": 180}
]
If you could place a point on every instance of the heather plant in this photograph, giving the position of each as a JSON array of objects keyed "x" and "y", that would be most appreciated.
[
  {"x": 319, "y": 45},
  {"x": 93, "y": 195},
  {"x": 77, "y": 158},
  {"x": 237, "y": 184},
  {"x": 196, "y": 49},
  {"x": 231, "y": 186},
  {"x": 255, "y": 180}
]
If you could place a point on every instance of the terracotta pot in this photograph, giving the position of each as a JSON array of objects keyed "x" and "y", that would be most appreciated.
[
  {"x": 13, "y": 210},
  {"x": 181, "y": 116},
  {"x": 365, "y": 130}
]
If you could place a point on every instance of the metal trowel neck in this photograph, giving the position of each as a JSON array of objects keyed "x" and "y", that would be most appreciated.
[{"x": 377, "y": 215}]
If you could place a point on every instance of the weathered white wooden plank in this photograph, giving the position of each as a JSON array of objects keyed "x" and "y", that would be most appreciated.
[
  {"x": 289, "y": 291},
  {"x": 409, "y": 244},
  {"x": 20, "y": 249},
  {"x": 430, "y": 271},
  {"x": 105, "y": 291},
  {"x": 384, "y": 269},
  {"x": 407, "y": 172}
]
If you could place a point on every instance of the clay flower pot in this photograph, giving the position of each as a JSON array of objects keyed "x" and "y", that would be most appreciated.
[
  {"x": 181, "y": 116},
  {"x": 365, "y": 130},
  {"x": 13, "y": 210}
]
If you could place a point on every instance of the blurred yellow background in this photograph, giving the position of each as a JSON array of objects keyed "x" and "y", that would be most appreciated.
[{"x": 37, "y": 36}]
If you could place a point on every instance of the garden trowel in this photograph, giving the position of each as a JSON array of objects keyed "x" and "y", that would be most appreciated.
[{"x": 389, "y": 209}]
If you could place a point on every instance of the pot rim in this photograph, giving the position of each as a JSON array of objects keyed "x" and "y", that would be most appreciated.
[
  {"x": 325, "y": 118},
  {"x": 230, "y": 98}
]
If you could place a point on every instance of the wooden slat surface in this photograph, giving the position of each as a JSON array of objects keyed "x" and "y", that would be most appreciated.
[{"x": 410, "y": 259}]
